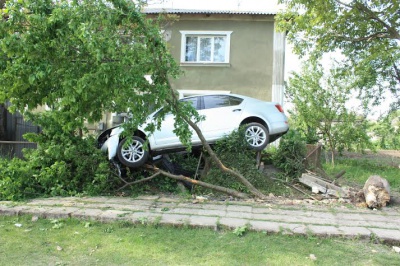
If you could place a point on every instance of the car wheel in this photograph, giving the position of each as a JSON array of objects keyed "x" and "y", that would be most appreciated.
[
  {"x": 131, "y": 152},
  {"x": 257, "y": 136}
]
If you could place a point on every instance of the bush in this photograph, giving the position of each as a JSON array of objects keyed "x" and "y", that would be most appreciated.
[
  {"x": 290, "y": 154},
  {"x": 17, "y": 180},
  {"x": 234, "y": 152},
  {"x": 60, "y": 166}
]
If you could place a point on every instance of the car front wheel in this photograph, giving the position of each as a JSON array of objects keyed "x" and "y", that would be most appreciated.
[
  {"x": 257, "y": 136},
  {"x": 131, "y": 152}
]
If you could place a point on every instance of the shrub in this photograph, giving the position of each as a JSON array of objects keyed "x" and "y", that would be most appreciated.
[
  {"x": 290, "y": 154},
  {"x": 17, "y": 180},
  {"x": 233, "y": 151},
  {"x": 73, "y": 166}
]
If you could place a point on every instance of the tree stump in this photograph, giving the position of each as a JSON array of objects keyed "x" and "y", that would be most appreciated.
[{"x": 376, "y": 191}]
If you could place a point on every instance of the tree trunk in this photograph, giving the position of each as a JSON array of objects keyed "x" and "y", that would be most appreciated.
[
  {"x": 376, "y": 191},
  {"x": 214, "y": 157},
  {"x": 225, "y": 190},
  {"x": 220, "y": 165}
]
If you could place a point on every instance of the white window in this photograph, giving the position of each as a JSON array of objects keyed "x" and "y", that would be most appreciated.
[{"x": 205, "y": 46}]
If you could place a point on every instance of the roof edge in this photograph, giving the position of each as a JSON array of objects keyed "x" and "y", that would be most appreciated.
[{"x": 195, "y": 11}]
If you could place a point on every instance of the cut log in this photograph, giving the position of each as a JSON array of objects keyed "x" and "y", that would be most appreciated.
[
  {"x": 319, "y": 185},
  {"x": 376, "y": 191}
]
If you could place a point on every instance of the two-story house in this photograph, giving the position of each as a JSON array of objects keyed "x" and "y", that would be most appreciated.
[{"x": 232, "y": 51}]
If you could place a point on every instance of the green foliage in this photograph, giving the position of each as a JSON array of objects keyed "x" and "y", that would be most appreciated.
[
  {"x": 80, "y": 59},
  {"x": 320, "y": 112},
  {"x": 84, "y": 59},
  {"x": 365, "y": 32},
  {"x": 235, "y": 154},
  {"x": 62, "y": 165},
  {"x": 289, "y": 157},
  {"x": 387, "y": 131},
  {"x": 17, "y": 180},
  {"x": 241, "y": 230}
]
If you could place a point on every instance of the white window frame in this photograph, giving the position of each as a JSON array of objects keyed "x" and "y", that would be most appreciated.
[{"x": 226, "y": 34}]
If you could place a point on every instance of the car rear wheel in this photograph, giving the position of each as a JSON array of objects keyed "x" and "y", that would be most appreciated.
[
  {"x": 131, "y": 152},
  {"x": 257, "y": 136}
]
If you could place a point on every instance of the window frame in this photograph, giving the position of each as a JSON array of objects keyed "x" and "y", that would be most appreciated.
[{"x": 199, "y": 34}]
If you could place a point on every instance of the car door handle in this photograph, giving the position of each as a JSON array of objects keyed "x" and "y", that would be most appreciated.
[{"x": 237, "y": 110}]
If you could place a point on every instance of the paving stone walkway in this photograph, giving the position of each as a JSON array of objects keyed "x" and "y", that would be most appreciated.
[{"x": 305, "y": 219}]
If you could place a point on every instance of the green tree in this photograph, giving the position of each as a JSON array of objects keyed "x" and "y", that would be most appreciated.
[
  {"x": 367, "y": 32},
  {"x": 320, "y": 111},
  {"x": 387, "y": 131},
  {"x": 82, "y": 58}
]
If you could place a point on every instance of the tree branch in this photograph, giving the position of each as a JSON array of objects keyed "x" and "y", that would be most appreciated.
[
  {"x": 225, "y": 190},
  {"x": 397, "y": 72},
  {"x": 377, "y": 35},
  {"x": 193, "y": 125},
  {"x": 393, "y": 33},
  {"x": 137, "y": 181}
]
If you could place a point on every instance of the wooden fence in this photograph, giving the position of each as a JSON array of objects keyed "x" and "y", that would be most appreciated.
[{"x": 13, "y": 142}]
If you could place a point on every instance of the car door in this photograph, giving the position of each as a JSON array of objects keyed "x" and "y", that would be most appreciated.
[
  {"x": 165, "y": 137},
  {"x": 222, "y": 115}
]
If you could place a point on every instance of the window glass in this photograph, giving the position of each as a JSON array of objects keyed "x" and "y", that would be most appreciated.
[
  {"x": 205, "y": 49},
  {"x": 191, "y": 49},
  {"x": 219, "y": 49},
  {"x": 234, "y": 101},
  {"x": 215, "y": 101},
  {"x": 192, "y": 100},
  {"x": 209, "y": 47}
]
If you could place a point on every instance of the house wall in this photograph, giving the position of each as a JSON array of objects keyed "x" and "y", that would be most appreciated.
[{"x": 250, "y": 69}]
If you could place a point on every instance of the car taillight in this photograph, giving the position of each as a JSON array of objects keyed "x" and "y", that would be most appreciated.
[{"x": 279, "y": 107}]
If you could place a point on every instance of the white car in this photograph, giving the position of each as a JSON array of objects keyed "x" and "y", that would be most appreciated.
[{"x": 264, "y": 122}]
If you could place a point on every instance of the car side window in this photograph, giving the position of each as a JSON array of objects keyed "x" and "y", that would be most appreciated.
[
  {"x": 215, "y": 101},
  {"x": 193, "y": 100},
  {"x": 234, "y": 101}
]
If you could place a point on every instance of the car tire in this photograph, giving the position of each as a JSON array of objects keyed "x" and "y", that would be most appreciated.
[
  {"x": 257, "y": 136},
  {"x": 133, "y": 153}
]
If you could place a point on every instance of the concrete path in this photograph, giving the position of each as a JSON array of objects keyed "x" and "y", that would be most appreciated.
[{"x": 272, "y": 217}]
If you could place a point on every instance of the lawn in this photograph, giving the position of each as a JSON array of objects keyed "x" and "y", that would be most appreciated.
[
  {"x": 74, "y": 242},
  {"x": 359, "y": 167}
]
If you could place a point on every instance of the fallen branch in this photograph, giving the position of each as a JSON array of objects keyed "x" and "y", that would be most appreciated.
[
  {"x": 137, "y": 181},
  {"x": 298, "y": 189},
  {"x": 228, "y": 191}
]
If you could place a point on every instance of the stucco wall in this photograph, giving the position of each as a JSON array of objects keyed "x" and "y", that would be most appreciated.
[{"x": 250, "y": 69}]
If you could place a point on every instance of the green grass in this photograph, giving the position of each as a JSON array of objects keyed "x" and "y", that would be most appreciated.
[
  {"x": 73, "y": 242},
  {"x": 358, "y": 171}
]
